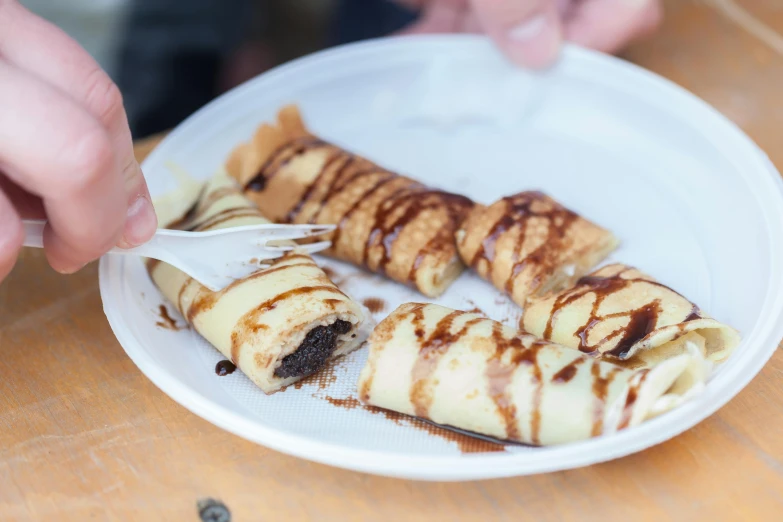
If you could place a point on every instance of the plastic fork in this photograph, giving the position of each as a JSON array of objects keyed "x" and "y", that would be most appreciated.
[{"x": 214, "y": 258}]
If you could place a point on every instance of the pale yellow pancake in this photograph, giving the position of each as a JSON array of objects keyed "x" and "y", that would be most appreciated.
[
  {"x": 278, "y": 325},
  {"x": 463, "y": 370},
  {"x": 621, "y": 313}
]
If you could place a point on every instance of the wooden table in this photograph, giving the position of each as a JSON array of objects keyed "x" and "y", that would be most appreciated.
[{"x": 84, "y": 435}]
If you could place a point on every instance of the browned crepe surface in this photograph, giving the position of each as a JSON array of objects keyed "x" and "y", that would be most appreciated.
[
  {"x": 388, "y": 223},
  {"x": 529, "y": 244}
]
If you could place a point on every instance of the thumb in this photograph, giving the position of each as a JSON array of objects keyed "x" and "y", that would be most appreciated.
[
  {"x": 141, "y": 221},
  {"x": 527, "y": 31}
]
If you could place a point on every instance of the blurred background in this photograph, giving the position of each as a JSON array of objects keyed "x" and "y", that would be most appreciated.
[{"x": 170, "y": 57}]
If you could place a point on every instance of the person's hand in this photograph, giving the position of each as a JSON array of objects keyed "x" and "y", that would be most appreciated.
[
  {"x": 66, "y": 153},
  {"x": 530, "y": 32}
]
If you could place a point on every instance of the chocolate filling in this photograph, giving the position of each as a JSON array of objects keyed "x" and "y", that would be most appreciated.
[{"x": 316, "y": 348}]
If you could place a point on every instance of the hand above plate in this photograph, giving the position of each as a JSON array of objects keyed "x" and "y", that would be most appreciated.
[
  {"x": 531, "y": 32},
  {"x": 672, "y": 224},
  {"x": 65, "y": 149}
]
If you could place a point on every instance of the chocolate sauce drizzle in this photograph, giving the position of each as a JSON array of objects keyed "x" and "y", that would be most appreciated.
[
  {"x": 509, "y": 355},
  {"x": 695, "y": 314},
  {"x": 224, "y": 368},
  {"x": 500, "y": 375},
  {"x": 375, "y": 305},
  {"x": 333, "y": 160},
  {"x": 500, "y": 368},
  {"x": 601, "y": 385},
  {"x": 166, "y": 321},
  {"x": 187, "y": 217},
  {"x": 630, "y": 399},
  {"x": 222, "y": 217},
  {"x": 517, "y": 215},
  {"x": 467, "y": 441},
  {"x": 204, "y": 202},
  {"x": 279, "y": 159},
  {"x": 249, "y": 322},
  {"x": 414, "y": 202},
  {"x": 397, "y": 203},
  {"x": 641, "y": 321},
  {"x": 203, "y": 300},
  {"x": 431, "y": 350},
  {"x": 568, "y": 372}
]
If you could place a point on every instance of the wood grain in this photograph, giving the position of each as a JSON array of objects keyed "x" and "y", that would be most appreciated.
[{"x": 84, "y": 435}]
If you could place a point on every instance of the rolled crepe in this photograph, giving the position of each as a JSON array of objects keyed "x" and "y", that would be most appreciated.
[
  {"x": 529, "y": 244},
  {"x": 279, "y": 324},
  {"x": 387, "y": 223},
  {"x": 463, "y": 370},
  {"x": 620, "y": 313}
]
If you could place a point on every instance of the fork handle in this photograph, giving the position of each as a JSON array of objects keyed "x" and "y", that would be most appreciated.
[
  {"x": 33, "y": 237},
  {"x": 33, "y": 232}
]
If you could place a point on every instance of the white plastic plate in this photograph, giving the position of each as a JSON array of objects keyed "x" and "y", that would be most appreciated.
[{"x": 694, "y": 201}]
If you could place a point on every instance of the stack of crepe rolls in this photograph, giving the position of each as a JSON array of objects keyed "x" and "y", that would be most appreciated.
[
  {"x": 463, "y": 370},
  {"x": 528, "y": 244},
  {"x": 279, "y": 324},
  {"x": 387, "y": 223},
  {"x": 618, "y": 313}
]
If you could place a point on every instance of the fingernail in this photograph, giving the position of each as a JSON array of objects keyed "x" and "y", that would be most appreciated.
[
  {"x": 140, "y": 224},
  {"x": 71, "y": 269},
  {"x": 528, "y": 30},
  {"x": 637, "y": 4},
  {"x": 535, "y": 42}
]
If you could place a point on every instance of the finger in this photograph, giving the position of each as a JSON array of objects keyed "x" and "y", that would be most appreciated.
[
  {"x": 528, "y": 31},
  {"x": 418, "y": 5},
  {"x": 35, "y": 45},
  {"x": 44, "y": 50},
  {"x": 609, "y": 25},
  {"x": 437, "y": 16},
  {"x": 28, "y": 206},
  {"x": 11, "y": 236},
  {"x": 470, "y": 23},
  {"x": 413, "y": 5},
  {"x": 58, "y": 151}
]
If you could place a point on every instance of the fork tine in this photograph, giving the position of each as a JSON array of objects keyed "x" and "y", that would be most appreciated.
[
  {"x": 289, "y": 235},
  {"x": 290, "y": 232},
  {"x": 317, "y": 230},
  {"x": 308, "y": 249},
  {"x": 315, "y": 247}
]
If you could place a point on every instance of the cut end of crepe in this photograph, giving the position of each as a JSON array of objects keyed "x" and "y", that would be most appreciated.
[
  {"x": 671, "y": 383},
  {"x": 718, "y": 340},
  {"x": 247, "y": 159},
  {"x": 290, "y": 121}
]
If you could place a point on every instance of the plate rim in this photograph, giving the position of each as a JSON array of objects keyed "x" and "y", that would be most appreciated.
[{"x": 468, "y": 467}]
